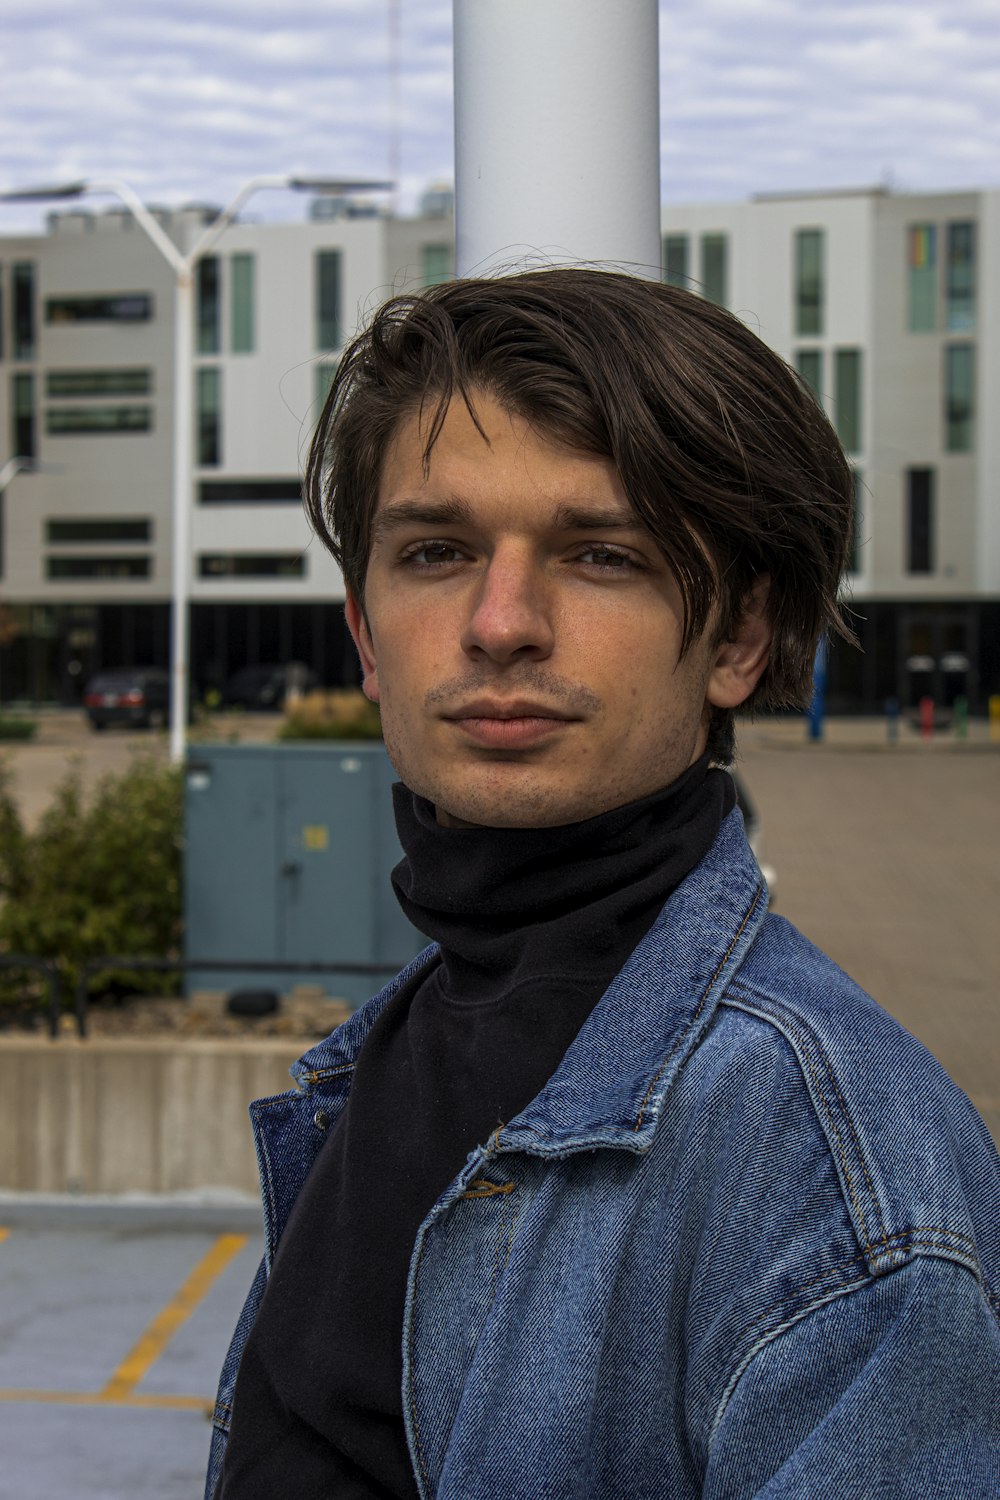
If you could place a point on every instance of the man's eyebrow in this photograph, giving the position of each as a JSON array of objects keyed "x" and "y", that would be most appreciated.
[
  {"x": 596, "y": 518},
  {"x": 396, "y": 513}
]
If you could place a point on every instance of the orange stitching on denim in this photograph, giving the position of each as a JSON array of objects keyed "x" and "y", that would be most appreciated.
[
  {"x": 700, "y": 1007},
  {"x": 315, "y": 1076},
  {"x": 482, "y": 1189},
  {"x": 807, "y": 1062},
  {"x": 805, "y": 1286},
  {"x": 845, "y": 1113},
  {"x": 867, "y": 1241}
]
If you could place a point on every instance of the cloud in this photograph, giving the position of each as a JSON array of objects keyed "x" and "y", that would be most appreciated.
[{"x": 190, "y": 97}]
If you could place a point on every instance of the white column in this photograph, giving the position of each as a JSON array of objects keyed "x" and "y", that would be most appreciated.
[{"x": 557, "y": 134}]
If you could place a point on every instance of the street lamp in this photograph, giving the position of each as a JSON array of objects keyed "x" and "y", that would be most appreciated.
[{"x": 183, "y": 269}]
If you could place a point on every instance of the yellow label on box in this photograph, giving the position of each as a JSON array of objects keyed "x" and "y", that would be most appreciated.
[{"x": 315, "y": 836}]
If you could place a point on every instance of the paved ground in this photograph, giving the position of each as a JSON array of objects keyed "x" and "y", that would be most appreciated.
[
  {"x": 110, "y": 1348},
  {"x": 111, "y": 1336},
  {"x": 65, "y": 742}
]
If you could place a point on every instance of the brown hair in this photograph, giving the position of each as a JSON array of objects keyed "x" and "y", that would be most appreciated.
[{"x": 725, "y": 455}]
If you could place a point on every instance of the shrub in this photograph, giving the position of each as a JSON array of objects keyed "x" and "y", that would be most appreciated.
[
  {"x": 98, "y": 876},
  {"x": 342, "y": 714},
  {"x": 13, "y": 727}
]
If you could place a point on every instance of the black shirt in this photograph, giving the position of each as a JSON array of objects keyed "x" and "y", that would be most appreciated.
[{"x": 533, "y": 925}]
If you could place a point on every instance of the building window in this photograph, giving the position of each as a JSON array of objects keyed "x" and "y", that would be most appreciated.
[
  {"x": 809, "y": 282},
  {"x": 241, "y": 305},
  {"x": 209, "y": 407},
  {"x": 23, "y": 336},
  {"x": 328, "y": 329},
  {"x": 251, "y": 565},
  {"x": 675, "y": 260},
  {"x": 715, "y": 268},
  {"x": 959, "y": 397},
  {"x": 61, "y": 420},
  {"x": 22, "y": 414},
  {"x": 436, "y": 264},
  {"x": 133, "y": 381},
  {"x": 115, "y": 568},
  {"x": 127, "y": 307},
  {"x": 250, "y": 492},
  {"x": 207, "y": 319},
  {"x": 113, "y": 529},
  {"x": 920, "y": 520},
  {"x": 921, "y": 240},
  {"x": 809, "y": 363},
  {"x": 857, "y": 521},
  {"x": 847, "y": 398},
  {"x": 324, "y": 380},
  {"x": 960, "y": 279}
]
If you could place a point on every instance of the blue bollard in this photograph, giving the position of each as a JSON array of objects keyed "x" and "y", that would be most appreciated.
[{"x": 892, "y": 720}]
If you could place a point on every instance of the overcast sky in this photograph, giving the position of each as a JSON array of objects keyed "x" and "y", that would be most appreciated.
[{"x": 187, "y": 98}]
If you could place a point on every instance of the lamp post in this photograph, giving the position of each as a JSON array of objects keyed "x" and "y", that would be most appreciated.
[{"x": 183, "y": 269}]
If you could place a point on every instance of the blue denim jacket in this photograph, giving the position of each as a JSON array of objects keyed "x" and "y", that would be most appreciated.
[{"x": 743, "y": 1243}]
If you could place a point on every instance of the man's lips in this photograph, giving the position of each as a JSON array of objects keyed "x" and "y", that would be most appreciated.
[{"x": 508, "y": 725}]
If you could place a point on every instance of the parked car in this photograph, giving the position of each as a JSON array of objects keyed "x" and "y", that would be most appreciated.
[
  {"x": 138, "y": 697},
  {"x": 263, "y": 688}
]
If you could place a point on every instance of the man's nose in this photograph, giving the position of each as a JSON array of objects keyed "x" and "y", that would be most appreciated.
[{"x": 510, "y": 614}]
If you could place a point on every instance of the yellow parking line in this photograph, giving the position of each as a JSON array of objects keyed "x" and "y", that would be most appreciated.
[
  {"x": 91, "y": 1398},
  {"x": 166, "y": 1323}
]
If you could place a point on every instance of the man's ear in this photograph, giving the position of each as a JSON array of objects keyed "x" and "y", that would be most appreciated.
[
  {"x": 741, "y": 659},
  {"x": 357, "y": 624}
]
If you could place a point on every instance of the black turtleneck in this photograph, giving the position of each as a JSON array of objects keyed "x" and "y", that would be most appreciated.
[{"x": 533, "y": 925}]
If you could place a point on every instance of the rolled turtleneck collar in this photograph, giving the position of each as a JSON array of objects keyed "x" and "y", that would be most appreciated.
[{"x": 506, "y": 904}]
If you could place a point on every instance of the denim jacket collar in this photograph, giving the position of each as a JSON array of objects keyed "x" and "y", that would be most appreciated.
[{"x": 610, "y": 1086}]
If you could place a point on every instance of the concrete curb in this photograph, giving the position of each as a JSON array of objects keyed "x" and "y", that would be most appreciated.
[{"x": 211, "y": 1213}]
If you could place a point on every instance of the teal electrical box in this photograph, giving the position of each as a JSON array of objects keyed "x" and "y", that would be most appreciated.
[{"x": 288, "y": 852}]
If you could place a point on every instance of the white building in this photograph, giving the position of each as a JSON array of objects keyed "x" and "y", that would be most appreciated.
[
  {"x": 86, "y": 383},
  {"x": 888, "y": 305}
]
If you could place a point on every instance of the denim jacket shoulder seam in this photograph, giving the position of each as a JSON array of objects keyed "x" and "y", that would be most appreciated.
[
  {"x": 799, "y": 1039},
  {"x": 962, "y": 1248}
]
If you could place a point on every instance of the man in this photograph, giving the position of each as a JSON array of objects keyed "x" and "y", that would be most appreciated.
[{"x": 623, "y": 1189}]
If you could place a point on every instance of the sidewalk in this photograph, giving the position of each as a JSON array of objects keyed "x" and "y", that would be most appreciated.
[
  {"x": 791, "y": 732},
  {"x": 111, "y": 1344}
]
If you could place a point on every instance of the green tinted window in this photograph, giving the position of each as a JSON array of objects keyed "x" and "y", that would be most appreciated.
[
  {"x": 715, "y": 268},
  {"x": 809, "y": 290},
  {"x": 328, "y": 293},
  {"x": 959, "y": 397},
  {"x": 675, "y": 260},
  {"x": 134, "y": 381},
  {"x": 960, "y": 285},
  {"x": 847, "y": 398},
  {"x": 241, "y": 310},
  {"x": 921, "y": 278},
  {"x": 209, "y": 424},
  {"x": 809, "y": 363}
]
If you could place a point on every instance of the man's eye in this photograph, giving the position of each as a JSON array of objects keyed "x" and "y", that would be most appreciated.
[
  {"x": 431, "y": 554},
  {"x": 608, "y": 558}
]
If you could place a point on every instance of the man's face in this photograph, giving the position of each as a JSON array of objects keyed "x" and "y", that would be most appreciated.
[{"x": 521, "y": 630}]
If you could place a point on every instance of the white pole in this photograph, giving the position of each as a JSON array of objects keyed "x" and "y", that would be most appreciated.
[
  {"x": 557, "y": 134},
  {"x": 183, "y": 434}
]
